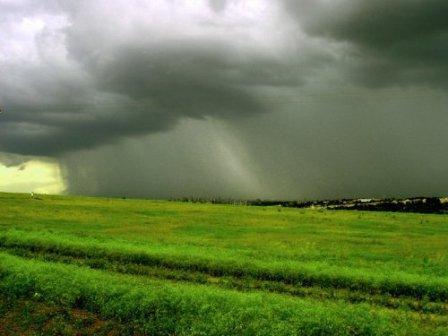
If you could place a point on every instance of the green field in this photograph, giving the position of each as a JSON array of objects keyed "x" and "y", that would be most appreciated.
[{"x": 78, "y": 265}]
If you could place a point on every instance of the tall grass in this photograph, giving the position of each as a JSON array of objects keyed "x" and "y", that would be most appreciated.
[
  {"x": 297, "y": 273},
  {"x": 161, "y": 308}
]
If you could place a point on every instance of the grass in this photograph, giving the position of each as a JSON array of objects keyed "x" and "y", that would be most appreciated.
[{"x": 170, "y": 268}]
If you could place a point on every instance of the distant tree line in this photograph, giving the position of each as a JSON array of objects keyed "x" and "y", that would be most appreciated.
[{"x": 414, "y": 204}]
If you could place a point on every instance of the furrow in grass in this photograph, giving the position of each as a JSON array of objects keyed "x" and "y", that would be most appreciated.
[
  {"x": 161, "y": 308},
  {"x": 244, "y": 284},
  {"x": 288, "y": 272}
]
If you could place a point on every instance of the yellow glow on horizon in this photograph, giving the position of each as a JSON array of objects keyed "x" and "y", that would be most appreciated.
[{"x": 32, "y": 176}]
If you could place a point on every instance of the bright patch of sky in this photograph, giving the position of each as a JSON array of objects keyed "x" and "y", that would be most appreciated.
[{"x": 33, "y": 176}]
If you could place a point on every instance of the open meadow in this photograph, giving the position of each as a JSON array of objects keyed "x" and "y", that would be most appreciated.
[{"x": 84, "y": 266}]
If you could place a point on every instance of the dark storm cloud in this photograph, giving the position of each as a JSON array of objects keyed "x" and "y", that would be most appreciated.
[
  {"x": 335, "y": 98},
  {"x": 100, "y": 78},
  {"x": 145, "y": 91},
  {"x": 393, "y": 42}
]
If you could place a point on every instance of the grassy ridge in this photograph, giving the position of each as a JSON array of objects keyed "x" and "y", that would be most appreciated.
[
  {"x": 306, "y": 274},
  {"x": 245, "y": 283},
  {"x": 157, "y": 307}
]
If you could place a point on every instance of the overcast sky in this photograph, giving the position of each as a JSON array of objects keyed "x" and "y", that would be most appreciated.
[{"x": 297, "y": 99}]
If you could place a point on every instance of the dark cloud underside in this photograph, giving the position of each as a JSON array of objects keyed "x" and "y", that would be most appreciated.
[{"x": 393, "y": 42}]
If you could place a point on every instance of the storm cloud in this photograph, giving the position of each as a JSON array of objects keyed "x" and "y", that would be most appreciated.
[
  {"x": 89, "y": 75},
  {"x": 389, "y": 42},
  {"x": 296, "y": 99}
]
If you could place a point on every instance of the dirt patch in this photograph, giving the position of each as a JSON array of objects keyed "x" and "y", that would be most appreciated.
[{"x": 23, "y": 317}]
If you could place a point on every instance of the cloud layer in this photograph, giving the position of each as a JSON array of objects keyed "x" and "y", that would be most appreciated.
[
  {"x": 291, "y": 98},
  {"x": 87, "y": 74},
  {"x": 389, "y": 42}
]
